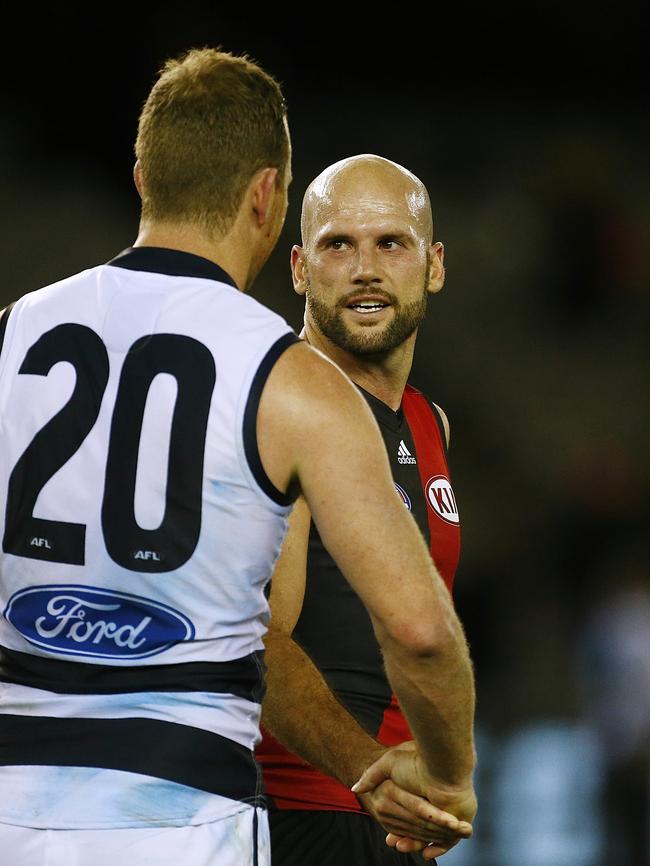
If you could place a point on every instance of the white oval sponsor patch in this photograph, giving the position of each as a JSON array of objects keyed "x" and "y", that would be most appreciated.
[{"x": 441, "y": 498}]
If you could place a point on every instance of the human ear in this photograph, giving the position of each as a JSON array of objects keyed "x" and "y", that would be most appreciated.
[
  {"x": 263, "y": 190},
  {"x": 298, "y": 270},
  {"x": 436, "y": 278}
]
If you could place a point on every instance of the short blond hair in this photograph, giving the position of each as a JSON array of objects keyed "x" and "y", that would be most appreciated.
[{"x": 209, "y": 123}]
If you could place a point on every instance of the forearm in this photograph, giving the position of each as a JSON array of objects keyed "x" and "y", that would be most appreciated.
[
  {"x": 301, "y": 712},
  {"x": 436, "y": 693}
]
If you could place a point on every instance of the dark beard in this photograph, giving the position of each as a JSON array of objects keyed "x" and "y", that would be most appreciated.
[{"x": 406, "y": 320}]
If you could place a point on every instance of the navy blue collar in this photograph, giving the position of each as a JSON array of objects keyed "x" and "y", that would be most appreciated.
[{"x": 174, "y": 263}]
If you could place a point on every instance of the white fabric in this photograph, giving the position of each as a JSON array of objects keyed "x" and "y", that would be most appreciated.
[
  {"x": 219, "y": 590},
  {"x": 227, "y": 842}
]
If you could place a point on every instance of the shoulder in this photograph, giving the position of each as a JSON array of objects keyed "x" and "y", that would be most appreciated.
[
  {"x": 305, "y": 380},
  {"x": 309, "y": 399},
  {"x": 309, "y": 412}
]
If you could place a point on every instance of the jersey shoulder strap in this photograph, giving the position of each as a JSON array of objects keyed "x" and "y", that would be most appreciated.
[{"x": 415, "y": 403}]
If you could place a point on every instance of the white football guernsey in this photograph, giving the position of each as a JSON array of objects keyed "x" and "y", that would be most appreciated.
[{"x": 139, "y": 530}]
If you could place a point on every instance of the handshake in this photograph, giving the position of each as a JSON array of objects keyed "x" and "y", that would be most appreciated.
[{"x": 418, "y": 813}]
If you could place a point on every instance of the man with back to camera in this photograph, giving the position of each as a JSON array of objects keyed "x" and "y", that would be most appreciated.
[
  {"x": 155, "y": 429},
  {"x": 366, "y": 266}
]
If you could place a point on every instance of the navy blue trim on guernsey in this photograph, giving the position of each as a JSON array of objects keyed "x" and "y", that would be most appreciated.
[
  {"x": 173, "y": 263},
  {"x": 255, "y": 843},
  {"x": 250, "y": 420},
  {"x": 149, "y": 747},
  {"x": 241, "y": 677},
  {"x": 4, "y": 319}
]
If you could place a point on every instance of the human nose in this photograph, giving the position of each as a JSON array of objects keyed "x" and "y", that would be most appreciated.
[{"x": 363, "y": 268}]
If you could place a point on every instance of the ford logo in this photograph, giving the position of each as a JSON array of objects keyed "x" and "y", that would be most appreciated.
[{"x": 76, "y": 620}]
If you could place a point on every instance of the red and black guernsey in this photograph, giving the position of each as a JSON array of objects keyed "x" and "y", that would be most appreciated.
[{"x": 334, "y": 627}]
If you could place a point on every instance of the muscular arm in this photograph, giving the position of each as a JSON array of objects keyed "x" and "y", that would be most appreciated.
[
  {"x": 300, "y": 709},
  {"x": 309, "y": 417}
]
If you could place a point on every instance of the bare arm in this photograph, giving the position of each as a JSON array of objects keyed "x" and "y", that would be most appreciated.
[
  {"x": 309, "y": 416},
  {"x": 299, "y": 708},
  {"x": 301, "y": 711}
]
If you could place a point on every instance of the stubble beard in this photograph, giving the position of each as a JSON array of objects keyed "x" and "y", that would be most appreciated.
[{"x": 367, "y": 341}]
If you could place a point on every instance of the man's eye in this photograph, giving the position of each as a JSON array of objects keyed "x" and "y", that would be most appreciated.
[
  {"x": 389, "y": 245},
  {"x": 336, "y": 245}
]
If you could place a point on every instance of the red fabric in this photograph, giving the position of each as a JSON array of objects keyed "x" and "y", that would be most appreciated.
[
  {"x": 432, "y": 463},
  {"x": 290, "y": 781},
  {"x": 295, "y": 784}
]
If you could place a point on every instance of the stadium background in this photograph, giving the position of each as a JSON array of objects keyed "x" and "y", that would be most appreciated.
[{"x": 532, "y": 139}]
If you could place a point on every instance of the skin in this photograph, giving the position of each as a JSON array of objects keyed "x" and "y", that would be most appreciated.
[
  {"x": 367, "y": 234},
  {"x": 367, "y": 237},
  {"x": 299, "y": 434},
  {"x": 243, "y": 251}
]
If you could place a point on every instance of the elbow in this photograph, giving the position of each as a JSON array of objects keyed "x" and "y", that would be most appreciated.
[{"x": 425, "y": 640}]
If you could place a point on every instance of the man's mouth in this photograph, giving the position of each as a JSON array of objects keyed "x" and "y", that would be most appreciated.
[{"x": 368, "y": 305}]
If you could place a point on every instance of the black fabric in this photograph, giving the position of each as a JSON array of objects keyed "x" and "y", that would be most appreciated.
[
  {"x": 336, "y": 632},
  {"x": 255, "y": 839},
  {"x": 174, "y": 540},
  {"x": 151, "y": 747},
  {"x": 302, "y": 838},
  {"x": 173, "y": 263},
  {"x": 391, "y": 418},
  {"x": 250, "y": 420},
  {"x": 241, "y": 677},
  {"x": 4, "y": 319}
]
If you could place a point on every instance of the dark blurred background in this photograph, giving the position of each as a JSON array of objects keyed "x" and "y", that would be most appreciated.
[{"x": 529, "y": 126}]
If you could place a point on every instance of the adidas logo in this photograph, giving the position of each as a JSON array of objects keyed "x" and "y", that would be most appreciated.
[{"x": 404, "y": 455}]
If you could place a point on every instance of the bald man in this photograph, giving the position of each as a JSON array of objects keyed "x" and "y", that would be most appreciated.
[{"x": 367, "y": 266}]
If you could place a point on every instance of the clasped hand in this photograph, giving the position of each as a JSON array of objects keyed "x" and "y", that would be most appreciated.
[{"x": 418, "y": 812}]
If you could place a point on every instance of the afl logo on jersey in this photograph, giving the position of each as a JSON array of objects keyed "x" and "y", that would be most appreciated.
[
  {"x": 403, "y": 495},
  {"x": 76, "y": 620},
  {"x": 441, "y": 498}
]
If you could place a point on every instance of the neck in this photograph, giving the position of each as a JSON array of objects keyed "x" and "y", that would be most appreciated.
[
  {"x": 383, "y": 375},
  {"x": 226, "y": 252}
]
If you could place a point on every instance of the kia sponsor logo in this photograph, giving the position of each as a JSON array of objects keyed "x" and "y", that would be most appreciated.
[
  {"x": 77, "y": 620},
  {"x": 441, "y": 498}
]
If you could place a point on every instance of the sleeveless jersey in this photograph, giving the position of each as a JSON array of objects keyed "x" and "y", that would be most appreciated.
[
  {"x": 138, "y": 533},
  {"x": 334, "y": 627}
]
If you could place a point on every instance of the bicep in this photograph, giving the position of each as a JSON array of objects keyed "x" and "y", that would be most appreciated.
[
  {"x": 290, "y": 573},
  {"x": 365, "y": 527}
]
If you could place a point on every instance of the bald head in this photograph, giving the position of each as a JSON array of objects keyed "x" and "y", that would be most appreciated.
[{"x": 366, "y": 181}]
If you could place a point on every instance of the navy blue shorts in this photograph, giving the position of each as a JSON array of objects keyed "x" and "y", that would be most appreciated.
[{"x": 300, "y": 837}]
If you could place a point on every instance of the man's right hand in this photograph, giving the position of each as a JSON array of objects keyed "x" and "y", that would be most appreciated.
[
  {"x": 404, "y": 766},
  {"x": 412, "y": 821}
]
